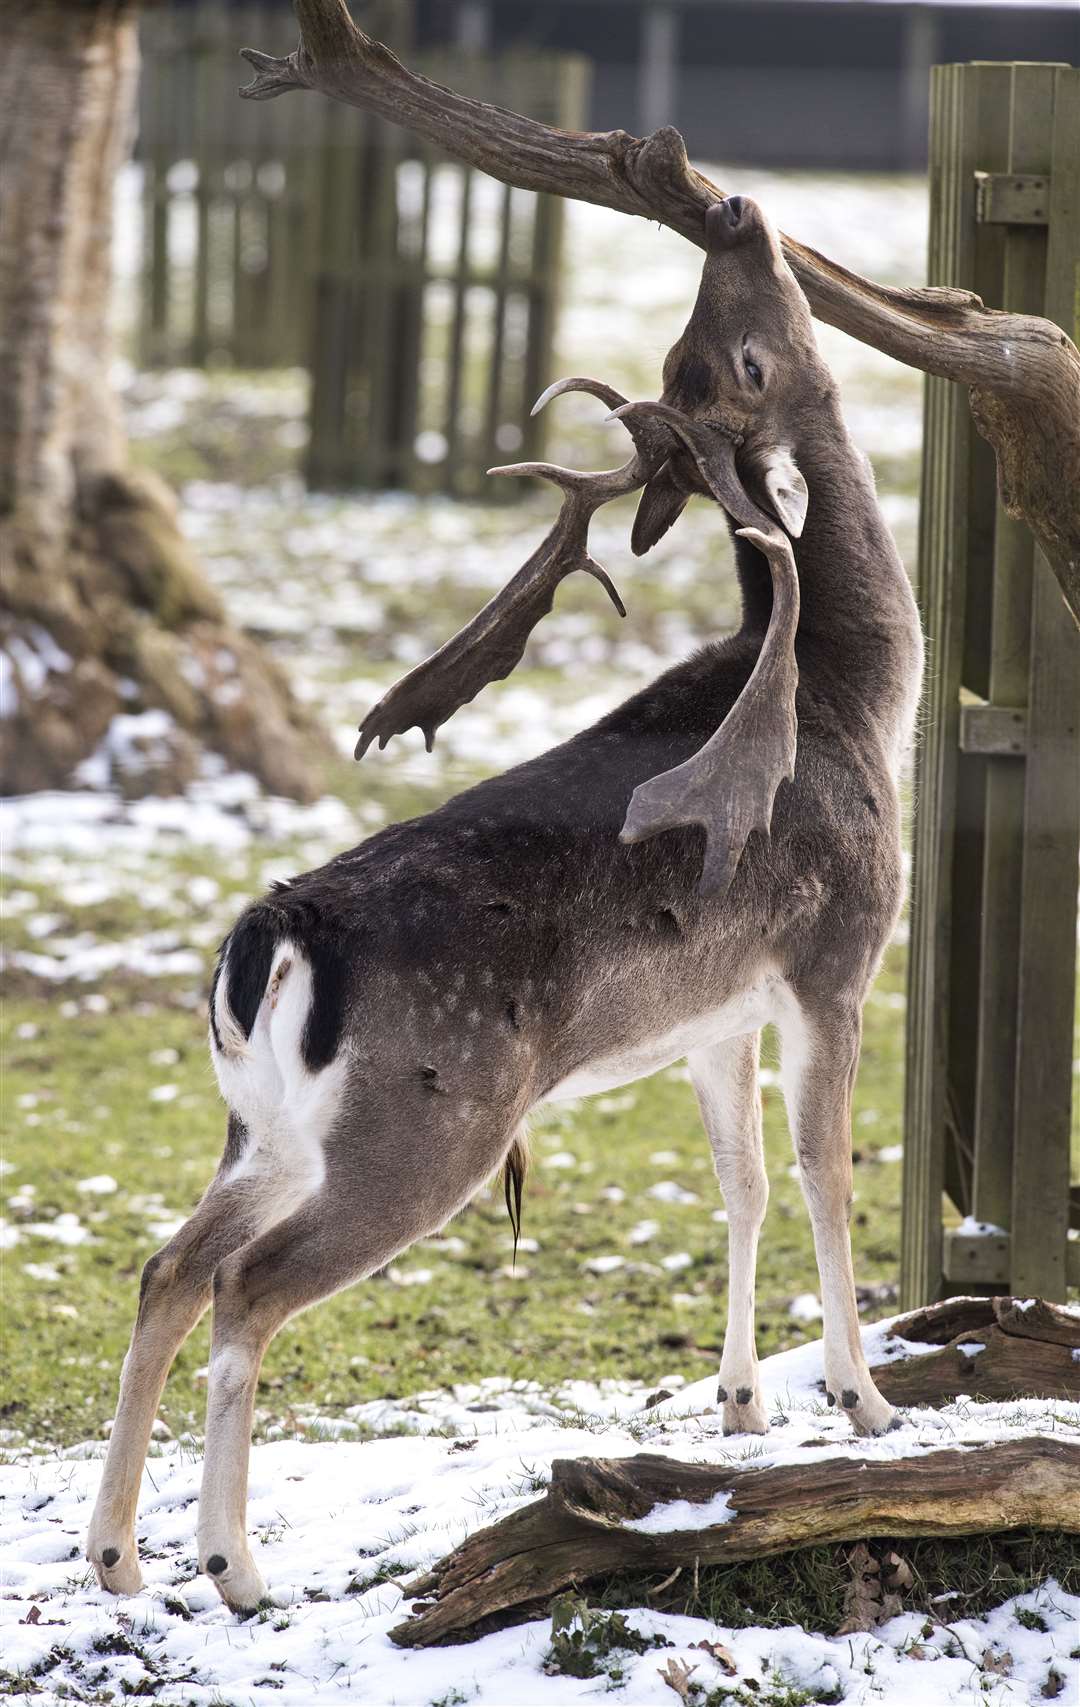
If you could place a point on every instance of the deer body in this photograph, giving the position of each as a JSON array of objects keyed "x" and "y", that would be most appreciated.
[{"x": 382, "y": 1026}]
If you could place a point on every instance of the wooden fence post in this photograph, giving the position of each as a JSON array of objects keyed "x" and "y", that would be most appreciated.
[{"x": 997, "y": 828}]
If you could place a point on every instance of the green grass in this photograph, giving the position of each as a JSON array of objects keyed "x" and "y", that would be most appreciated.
[
  {"x": 806, "y": 1588},
  {"x": 78, "y": 1104}
]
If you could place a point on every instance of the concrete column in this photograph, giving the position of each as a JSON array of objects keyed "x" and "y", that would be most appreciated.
[
  {"x": 920, "y": 51},
  {"x": 473, "y": 32},
  {"x": 658, "y": 67}
]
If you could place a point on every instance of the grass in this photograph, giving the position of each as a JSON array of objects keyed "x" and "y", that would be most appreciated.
[
  {"x": 961, "y": 1578},
  {"x": 79, "y": 1095}
]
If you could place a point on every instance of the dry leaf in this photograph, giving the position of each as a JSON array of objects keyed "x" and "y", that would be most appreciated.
[
  {"x": 32, "y": 1617},
  {"x": 896, "y": 1572},
  {"x": 720, "y": 1654},
  {"x": 677, "y": 1677},
  {"x": 915, "y": 1652},
  {"x": 1053, "y": 1686},
  {"x": 1000, "y": 1664},
  {"x": 867, "y": 1603},
  {"x": 862, "y": 1597}
]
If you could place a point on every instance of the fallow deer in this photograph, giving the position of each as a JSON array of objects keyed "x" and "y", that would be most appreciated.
[{"x": 657, "y": 888}]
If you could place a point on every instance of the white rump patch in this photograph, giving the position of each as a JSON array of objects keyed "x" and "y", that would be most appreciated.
[{"x": 288, "y": 1110}]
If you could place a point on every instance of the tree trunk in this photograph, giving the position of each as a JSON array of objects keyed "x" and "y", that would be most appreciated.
[{"x": 105, "y": 610}]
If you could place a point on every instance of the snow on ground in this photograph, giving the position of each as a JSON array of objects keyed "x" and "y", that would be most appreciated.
[{"x": 337, "y": 1521}]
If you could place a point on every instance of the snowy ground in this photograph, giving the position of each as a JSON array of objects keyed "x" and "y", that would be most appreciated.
[{"x": 338, "y": 1520}]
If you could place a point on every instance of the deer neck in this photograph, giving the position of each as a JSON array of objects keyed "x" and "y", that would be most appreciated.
[{"x": 858, "y": 619}]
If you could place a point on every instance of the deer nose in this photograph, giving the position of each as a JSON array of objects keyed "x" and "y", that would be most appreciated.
[{"x": 732, "y": 209}]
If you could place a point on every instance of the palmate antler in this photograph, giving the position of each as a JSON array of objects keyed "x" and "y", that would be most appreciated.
[
  {"x": 489, "y": 646},
  {"x": 730, "y": 785}
]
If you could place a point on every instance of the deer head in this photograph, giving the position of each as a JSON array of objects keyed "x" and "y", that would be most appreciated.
[
  {"x": 748, "y": 361},
  {"x": 721, "y": 428}
]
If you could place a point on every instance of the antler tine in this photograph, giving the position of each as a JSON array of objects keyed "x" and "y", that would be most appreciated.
[
  {"x": 488, "y": 647},
  {"x": 730, "y": 785},
  {"x": 595, "y": 387}
]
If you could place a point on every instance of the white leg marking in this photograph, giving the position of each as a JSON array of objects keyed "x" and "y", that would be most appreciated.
[
  {"x": 819, "y": 1060},
  {"x": 725, "y": 1079}
]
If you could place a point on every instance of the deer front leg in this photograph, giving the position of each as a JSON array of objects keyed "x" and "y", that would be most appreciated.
[
  {"x": 820, "y": 1057},
  {"x": 174, "y": 1293},
  {"x": 725, "y": 1079}
]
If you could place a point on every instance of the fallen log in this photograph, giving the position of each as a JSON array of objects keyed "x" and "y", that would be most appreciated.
[
  {"x": 590, "y": 1524},
  {"x": 990, "y": 1348}
]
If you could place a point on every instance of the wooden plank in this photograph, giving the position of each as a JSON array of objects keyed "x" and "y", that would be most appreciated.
[
  {"x": 492, "y": 453},
  {"x": 1047, "y": 982},
  {"x": 984, "y": 1261},
  {"x": 942, "y": 590},
  {"x": 1028, "y": 109},
  {"x": 994, "y": 731},
  {"x": 1012, "y": 198},
  {"x": 456, "y": 355}
]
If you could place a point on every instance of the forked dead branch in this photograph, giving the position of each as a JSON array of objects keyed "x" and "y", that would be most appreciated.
[{"x": 1023, "y": 371}]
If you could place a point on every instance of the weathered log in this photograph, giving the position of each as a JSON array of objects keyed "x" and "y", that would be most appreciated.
[
  {"x": 581, "y": 1529},
  {"x": 1023, "y": 370},
  {"x": 1029, "y": 1349}
]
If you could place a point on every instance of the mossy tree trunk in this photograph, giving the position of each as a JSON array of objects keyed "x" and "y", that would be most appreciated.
[{"x": 105, "y": 611}]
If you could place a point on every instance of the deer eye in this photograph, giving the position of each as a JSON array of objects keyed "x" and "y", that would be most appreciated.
[{"x": 754, "y": 371}]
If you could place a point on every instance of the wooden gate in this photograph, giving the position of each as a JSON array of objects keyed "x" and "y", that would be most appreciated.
[
  {"x": 436, "y": 291},
  {"x": 993, "y": 934},
  {"x": 421, "y": 295}
]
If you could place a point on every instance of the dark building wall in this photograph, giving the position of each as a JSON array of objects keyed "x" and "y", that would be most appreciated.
[{"x": 806, "y": 82}]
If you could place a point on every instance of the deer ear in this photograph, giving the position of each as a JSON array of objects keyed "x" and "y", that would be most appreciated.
[{"x": 786, "y": 488}]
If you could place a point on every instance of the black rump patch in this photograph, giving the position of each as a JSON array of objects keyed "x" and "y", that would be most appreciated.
[
  {"x": 250, "y": 950},
  {"x": 326, "y": 1016}
]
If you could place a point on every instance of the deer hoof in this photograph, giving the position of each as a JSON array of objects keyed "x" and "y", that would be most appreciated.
[
  {"x": 117, "y": 1572},
  {"x": 238, "y": 1582},
  {"x": 871, "y": 1414},
  {"x": 743, "y": 1412}
]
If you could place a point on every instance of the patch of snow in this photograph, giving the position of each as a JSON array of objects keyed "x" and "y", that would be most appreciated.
[
  {"x": 669, "y": 1191},
  {"x": 604, "y": 1265},
  {"x": 99, "y": 1185},
  {"x": 335, "y": 1520},
  {"x": 970, "y": 1228},
  {"x": 642, "y": 1232},
  {"x": 806, "y": 1307},
  {"x": 65, "y": 1229},
  {"x": 970, "y": 1348},
  {"x": 683, "y": 1514}
]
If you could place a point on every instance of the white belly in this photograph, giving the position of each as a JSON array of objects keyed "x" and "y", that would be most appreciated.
[{"x": 748, "y": 1011}]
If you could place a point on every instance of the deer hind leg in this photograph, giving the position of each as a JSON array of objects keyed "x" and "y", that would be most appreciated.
[
  {"x": 174, "y": 1293},
  {"x": 819, "y": 1061},
  {"x": 726, "y": 1081},
  {"x": 374, "y": 1202}
]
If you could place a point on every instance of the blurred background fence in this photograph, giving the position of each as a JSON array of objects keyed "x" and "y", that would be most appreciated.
[{"x": 304, "y": 233}]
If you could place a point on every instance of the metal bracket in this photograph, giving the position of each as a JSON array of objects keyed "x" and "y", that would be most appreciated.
[{"x": 1011, "y": 198}]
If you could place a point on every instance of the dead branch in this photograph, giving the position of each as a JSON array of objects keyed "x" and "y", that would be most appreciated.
[
  {"x": 581, "y": 1528},
  {"x": 1023, "y": 371},
  {"x": 990, "y": 1348}
]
